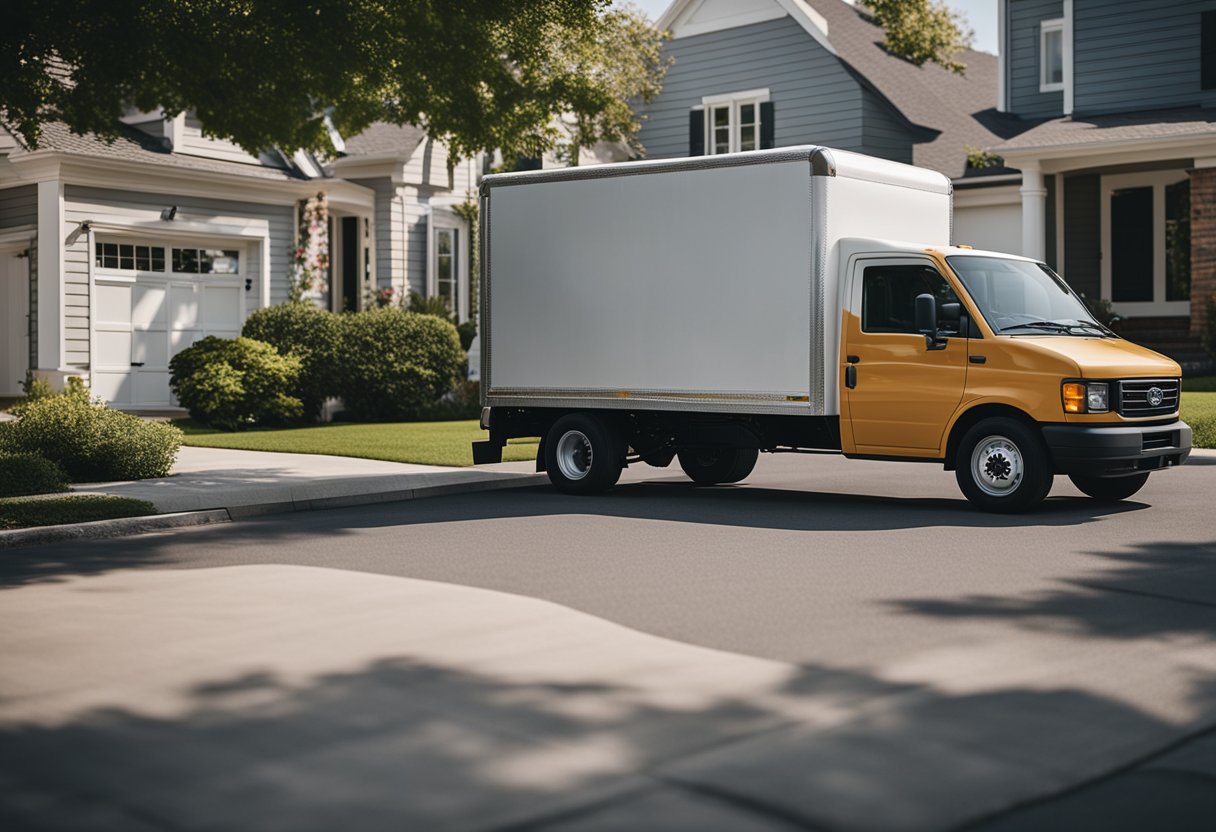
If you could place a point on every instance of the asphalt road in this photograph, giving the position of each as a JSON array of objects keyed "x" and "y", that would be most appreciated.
[{"x": 1082, "y": 636}]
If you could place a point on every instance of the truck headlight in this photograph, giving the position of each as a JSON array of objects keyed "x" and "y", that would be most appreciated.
[{"x": 1086, "y": 396}]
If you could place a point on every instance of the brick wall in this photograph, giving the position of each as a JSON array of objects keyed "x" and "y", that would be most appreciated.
[{"x": 1203, "y": 245}]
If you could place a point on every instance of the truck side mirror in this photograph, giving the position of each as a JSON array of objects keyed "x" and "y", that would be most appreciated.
[{"x": 926, "y": 314}]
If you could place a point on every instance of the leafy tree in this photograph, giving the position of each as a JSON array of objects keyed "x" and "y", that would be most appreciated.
[
  {"x": 618, "y": 64},
  {"x": 474, "y": 73},
  {"x": 922, "y": 31}
]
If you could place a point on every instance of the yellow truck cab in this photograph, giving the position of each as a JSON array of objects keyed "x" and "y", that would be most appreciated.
[
  {"x": 796, "y": 300},
  {"x": 989, "y": 363}
]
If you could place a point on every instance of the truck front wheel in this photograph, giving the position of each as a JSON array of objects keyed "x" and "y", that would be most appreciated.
[
  {"x": 716, "y": 466},
  {"x": 583, "y": 454},
  {"x": 1109, "y": 489},
  {"x": 1003, "y": 466}
]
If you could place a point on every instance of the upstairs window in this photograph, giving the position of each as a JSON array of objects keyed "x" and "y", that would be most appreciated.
[
  {"x": 731, "y": 124},
  {"x": 1051, "y": 55}
]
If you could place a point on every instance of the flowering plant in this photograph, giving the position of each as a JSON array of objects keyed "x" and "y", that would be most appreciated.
[{"x": 310, "y": 257}]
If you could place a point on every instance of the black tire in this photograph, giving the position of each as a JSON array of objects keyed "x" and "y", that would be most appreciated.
[
  {"x": 1109, "y": 489},
  {"x": 583, "y": 454},
  {"x": 1013, "y": 462},
  {"x": 717, "y": 466}
]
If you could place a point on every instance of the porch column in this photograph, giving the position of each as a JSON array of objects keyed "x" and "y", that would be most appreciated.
[
  {"x": 1034, "y": 213},
  {"x": 51, "y": 232},
  {"x": 1203, "y": 242}
]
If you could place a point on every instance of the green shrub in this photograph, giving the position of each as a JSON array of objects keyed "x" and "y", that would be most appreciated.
[
  {"x": 232, "y": 383},
  {"x": 22, "y": 474},
  {"x": 37, "y": 388},
  {"x": 315, "y": 337},
  {"x": 468, "y": 331},
  {"x": 433, "y": 305},
  {"x": 91, "y": 442},
  {"x": 397, "y": 363},
  {"x": 462, "y": 402}
]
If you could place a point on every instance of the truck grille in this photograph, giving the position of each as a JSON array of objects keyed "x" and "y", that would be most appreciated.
[{"x": 1136, "y": 397}]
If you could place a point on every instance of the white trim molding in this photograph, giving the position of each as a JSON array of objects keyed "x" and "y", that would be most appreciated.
[
  {"x": 51, "y": 231},
  {"x": 733, "y": 102},
  {"x": 1068, "y": 55},
  {"x": 678, "y": 18},
  {"x": 1048, "y": 27},
  {"x": 1002, "y": 66},
  {"x": 1034, "y": 213}
]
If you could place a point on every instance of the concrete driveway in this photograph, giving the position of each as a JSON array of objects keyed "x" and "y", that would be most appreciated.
[{"x": 831, "y": 645}]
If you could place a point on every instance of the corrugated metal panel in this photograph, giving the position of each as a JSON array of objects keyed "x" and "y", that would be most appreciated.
[
  {"x": 1132, "y": 55},
  {"x": 1082, "y": 237},
  {"x": 19, "y": 206},
  {"x": 817, "y": 100},
  {"x": 1023, "y": 58}
]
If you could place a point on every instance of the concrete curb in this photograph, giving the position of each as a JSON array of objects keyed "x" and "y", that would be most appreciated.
[{"x": 120, "y": 527}]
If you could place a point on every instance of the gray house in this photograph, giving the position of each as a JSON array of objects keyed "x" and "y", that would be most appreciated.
[
  {"x": 752, "y": 74},
  {"x": 115, "y": 256},
  {"x": 1118, "y": 153}
]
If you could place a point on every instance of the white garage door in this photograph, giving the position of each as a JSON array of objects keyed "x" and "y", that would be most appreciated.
[{"x": 152, "y": 301}]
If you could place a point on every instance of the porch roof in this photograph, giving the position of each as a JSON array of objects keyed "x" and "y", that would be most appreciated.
[{"x": 1082, "y": 132}]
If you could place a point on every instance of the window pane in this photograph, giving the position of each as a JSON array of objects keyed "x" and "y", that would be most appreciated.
[
  {"x": 158, "y": 259},
  {"x": 1178, "y": 241},
  {"x": 722, "y": 141},
  {"x": 205, "y": 258},
  {"x": 99, "y": 254},
  {"x": 111, "y": 255},
  {"x": 143, "y": 261},
  {"x": 721, "y": 116},
  {"x": 747, "y": 137},
  {"x": 126, "y": 256},
  {"x": 1053, "y": 57},
  {"x": 185, "y": 260},
  {"x": 1131, "y": 234},
  {"x": 747, "y": 114},
  {"x": 888, "y": 299},
  {"x": 444, "y": 242}
]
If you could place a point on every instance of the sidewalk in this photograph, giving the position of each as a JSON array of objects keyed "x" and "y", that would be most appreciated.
[{"x": 246, "y": 483}]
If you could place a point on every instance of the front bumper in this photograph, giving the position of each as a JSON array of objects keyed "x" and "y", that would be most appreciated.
[{"x": 1117, "y": 450}]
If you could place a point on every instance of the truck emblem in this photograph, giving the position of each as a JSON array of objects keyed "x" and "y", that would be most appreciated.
[{"x": 1155, "y": 396}]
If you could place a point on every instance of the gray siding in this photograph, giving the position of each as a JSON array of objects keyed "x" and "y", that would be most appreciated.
[
  {"x": 816, "y": 100},
  {"x": 416, "y": 209},
  {"x": 883, "y": 132},
  {"x": 124, "y": 207},
  {"x": 1082, "y": 237},
  {"x": 19, "y": 206},
  {"x": 1023, "y": 58},
  {"x": 1133, "y": 55}
]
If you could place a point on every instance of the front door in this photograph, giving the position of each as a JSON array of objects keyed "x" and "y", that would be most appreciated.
[
  {"x": 1146, "y": 243},
  {"x": 902, "y": 393}
]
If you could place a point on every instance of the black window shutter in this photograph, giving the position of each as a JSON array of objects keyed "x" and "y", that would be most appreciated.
[
  {"x": 768, "y": 126},
  {"x": 1207, "y": 51},
  {"x": 696, "y": 132}
]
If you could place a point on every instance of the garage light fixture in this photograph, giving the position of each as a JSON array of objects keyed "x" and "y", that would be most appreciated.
[
  {"x": 169, "y": 213},
  {"x": 76, "y": 232}
]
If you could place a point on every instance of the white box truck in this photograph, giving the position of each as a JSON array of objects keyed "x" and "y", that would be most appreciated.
[{"x": 800, "y": 299}]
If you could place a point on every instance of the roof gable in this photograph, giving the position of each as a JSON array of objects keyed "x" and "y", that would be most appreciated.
[{"x": 685, "y": 18}]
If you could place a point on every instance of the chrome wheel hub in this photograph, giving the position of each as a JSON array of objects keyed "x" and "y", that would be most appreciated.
[
  {"x": 996, "y": 466},
  {"x": 574, "y": 455}
]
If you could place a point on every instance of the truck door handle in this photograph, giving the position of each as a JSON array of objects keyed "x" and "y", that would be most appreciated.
[{"x": 850, "y": 376}]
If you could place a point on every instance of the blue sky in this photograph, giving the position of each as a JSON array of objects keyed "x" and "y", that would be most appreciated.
[{"x": 980, "y": 14}]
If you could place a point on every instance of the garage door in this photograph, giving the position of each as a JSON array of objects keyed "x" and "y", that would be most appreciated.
[{"x": 152, "y": 301}]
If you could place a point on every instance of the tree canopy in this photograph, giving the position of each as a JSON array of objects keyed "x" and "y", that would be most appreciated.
[
  {"x": 477, "y": 74},
  {"x": 922, "y": 31}
]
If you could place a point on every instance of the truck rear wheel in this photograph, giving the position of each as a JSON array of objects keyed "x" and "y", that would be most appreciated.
[
  {"x": 583, "y": 454},
  {"x": 1109, "y": 489},
  {"x": 716, "y": 466},
  {"x": 1003, "y": 466}
]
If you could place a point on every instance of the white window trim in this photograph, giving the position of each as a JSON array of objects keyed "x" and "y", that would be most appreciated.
[
  {"x": 440, "y": 219},
  {"x": 734, "y": 100},
  {"x": 1045, "y": 28},
  {"x": 1157, "y": 180}
]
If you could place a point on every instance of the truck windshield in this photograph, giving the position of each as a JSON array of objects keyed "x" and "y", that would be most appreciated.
[{"x": 1021, "y": 297}]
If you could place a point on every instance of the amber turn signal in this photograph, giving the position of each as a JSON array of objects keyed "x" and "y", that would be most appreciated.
[{"x": 1074, "y": 398}]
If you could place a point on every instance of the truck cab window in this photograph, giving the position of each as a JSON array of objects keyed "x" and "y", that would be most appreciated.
[{"x": 888, "y": 296}]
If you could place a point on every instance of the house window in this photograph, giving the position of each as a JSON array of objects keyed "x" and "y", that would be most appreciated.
[
  {"x": 129, "y": 257},
  {"x": 1051, "y": 55},
  {"x": 733, "y": 122},
  {"x": 206, "y": 261},
  {"x": 446, "y": 282}
]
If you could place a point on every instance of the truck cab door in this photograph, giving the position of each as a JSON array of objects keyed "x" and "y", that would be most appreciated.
[{"x": 898, "y": 387}]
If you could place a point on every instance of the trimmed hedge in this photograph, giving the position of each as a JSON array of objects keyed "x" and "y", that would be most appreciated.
[
  {"x": 22, "y": 474},
  {"x": 396, "y": 363},
  {"x": 315, "y": 337},
  {"x": 235, "y": 383},
  {"x": 91, "y": 442}
]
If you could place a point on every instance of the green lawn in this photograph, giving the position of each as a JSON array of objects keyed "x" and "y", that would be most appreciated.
[
  {"x": 422, "y": 443},
  {"x": 19, "y": 513}
]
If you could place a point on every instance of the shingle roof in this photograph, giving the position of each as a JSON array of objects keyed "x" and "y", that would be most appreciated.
[
  {"x": 133, "y": 145},
  {"x": 382, "y": 138},
  {"x": 1118, "y": 127},
  {"x": 960, "y": 110}
]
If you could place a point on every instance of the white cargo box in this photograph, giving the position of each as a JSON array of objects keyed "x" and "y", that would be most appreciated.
[{"x": 705, "y": 284}]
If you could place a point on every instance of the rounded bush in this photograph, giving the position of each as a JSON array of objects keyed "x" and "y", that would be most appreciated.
[
  {"x": 22, "y": 474},
  {"x": 91, "y": 442},
  {"x": 235, "y": 383},
  {"x": 311, "y": 334},
  {"x": 397, "y": 363}
]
